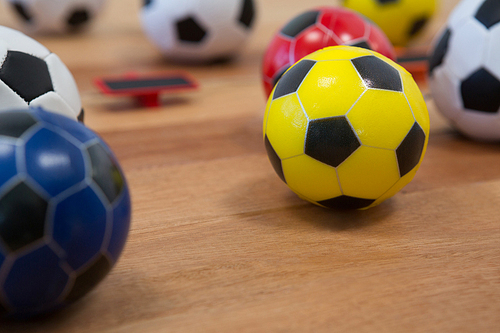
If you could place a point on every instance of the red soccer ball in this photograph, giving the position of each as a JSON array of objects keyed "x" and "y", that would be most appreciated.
[{"x": 314, "y": 30}]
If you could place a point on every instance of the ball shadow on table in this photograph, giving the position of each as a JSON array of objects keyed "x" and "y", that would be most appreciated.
[
  {"x": 451, "y": 149},
  {"x": 454, "y": 137},
  {"x": 348, "y": 219},
  {"x": 110, "y": 301},
  {"x": 288, "y": 210},
  {"x": 49, "y": 320}
]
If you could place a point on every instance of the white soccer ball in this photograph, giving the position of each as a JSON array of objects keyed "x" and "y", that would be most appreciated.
[
  {"x": 30, "y": 75},
  {"x": 198, "y": 30},
  {"x": 464, "y": 69},
  {"x": 55, "y": 16}
]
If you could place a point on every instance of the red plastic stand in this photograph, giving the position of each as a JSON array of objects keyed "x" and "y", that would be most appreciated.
[{"x": 146, "y": 89}]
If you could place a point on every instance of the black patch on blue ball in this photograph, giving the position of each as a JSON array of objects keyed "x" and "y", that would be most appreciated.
[
  {"x": 15, "y": 123},
  {"x": 22, "y": 217},
  {"x": 90, "y": 278},
  {"x": 105, "y": 172}
]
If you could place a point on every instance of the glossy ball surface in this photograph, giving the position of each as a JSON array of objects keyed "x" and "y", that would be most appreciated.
[
  {"x": 64, "y": 211},
  {"x": 198, "y": 30},
  {"x": 401, "y": 20},
  {"x": 317, "y": 29},
  {"x": 31, "y": 75},
  {"x": 464, "y": 69},
  {"x": 346, "y": 128},
  {"x": 55, "y": 16}
]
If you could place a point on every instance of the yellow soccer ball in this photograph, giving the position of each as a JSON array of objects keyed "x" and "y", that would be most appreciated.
[
  {"x": 401, "y": 20},
  {"x": 346, "y": 128}
]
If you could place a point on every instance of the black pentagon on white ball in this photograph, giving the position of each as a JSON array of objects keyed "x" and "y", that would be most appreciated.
[
  {"x": 30, "y": 75},
  {"x": 247, "y": 15},
  {"x": 26, "y": 74},
  {"x": 190, "y": 31},
  {"x": 481, "y": 92},
  {"x": 55, "y": 16},
  {"x": 378, "y": 74},
  {"x": 78, "y": 17},
  {"x": 22, "y": 12},
  {"x": 489, "y": 13},
  {"x": 437, "y": 56}
]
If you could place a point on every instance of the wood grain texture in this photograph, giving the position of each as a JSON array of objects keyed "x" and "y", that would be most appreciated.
[{"x": 219, "y": 244}]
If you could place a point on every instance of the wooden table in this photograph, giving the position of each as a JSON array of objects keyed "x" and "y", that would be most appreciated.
[{"x": 219, "y": 244}]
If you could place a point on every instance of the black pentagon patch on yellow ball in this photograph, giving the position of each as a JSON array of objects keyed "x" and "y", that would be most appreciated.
[
  {"x": 27, "y": 75},
  {"x": 363, "y": 45},
  {"x": 378, "y": 74},
  {"x": 22, "y": 217},
  {"x": 440, "y": 50},
  {"x": 278, "y": 75},
  {"x": 291, "y": 80},
  {"x": 346, "y": 202},
  {"x": 274, "y": 159},
  {"x": 188, "y": 30},
  {"x": 90, "y": 278},
  {"x": 481, "y": 92},
  {"x": 387, "y": 1},
  {"x": 15, "y": 123},
  {"x": 247, "y": 13},
  {"x": 489, "y": 13},
  {"x": 331, "y": 140},
  {"x": 300, "y": 23},
  {"x": 410, "y": 150}
]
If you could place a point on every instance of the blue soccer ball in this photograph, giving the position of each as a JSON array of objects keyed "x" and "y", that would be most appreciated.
[{"x": 64, "y": 211}]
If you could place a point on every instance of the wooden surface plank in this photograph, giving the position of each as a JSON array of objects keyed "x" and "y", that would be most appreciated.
[{"x": 219, "y": 244}]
